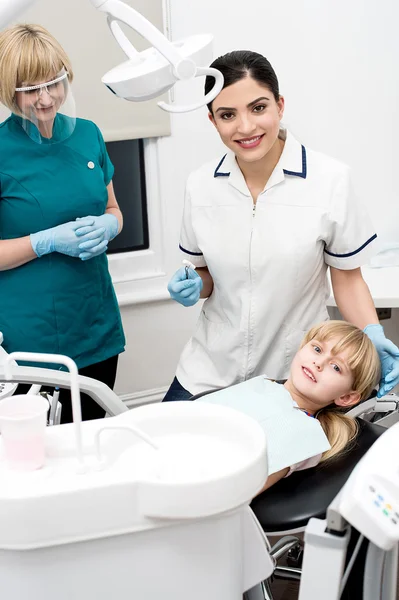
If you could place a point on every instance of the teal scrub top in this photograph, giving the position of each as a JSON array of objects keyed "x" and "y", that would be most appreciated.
[{"x": 56, "y": 303}]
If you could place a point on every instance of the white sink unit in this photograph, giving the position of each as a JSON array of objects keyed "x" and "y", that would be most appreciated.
[{"x": 157, "y": 509}]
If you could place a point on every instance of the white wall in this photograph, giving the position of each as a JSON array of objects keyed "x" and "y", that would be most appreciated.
[{"x": 337, "y": 65}]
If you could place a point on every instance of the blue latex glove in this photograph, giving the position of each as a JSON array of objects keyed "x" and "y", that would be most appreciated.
[
  {"x": 185, "y": 291},
  {"x": 93, "y": 251},
  {"x": 63, "y": 238},
  {"x": 389, "y": 357},
  {"x": 107, "y": 220}
]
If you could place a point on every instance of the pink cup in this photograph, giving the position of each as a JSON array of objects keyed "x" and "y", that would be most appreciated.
[{"x": 23, "y": 422}]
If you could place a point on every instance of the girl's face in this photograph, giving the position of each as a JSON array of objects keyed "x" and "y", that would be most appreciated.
[
  {"x": 322, "y": 377},
  {"x": 247, "y": 118}
]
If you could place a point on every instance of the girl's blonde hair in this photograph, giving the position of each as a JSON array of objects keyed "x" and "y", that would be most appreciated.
[
  {"x": 364, "y": 363},
  {"x": 28, "y": 54}
]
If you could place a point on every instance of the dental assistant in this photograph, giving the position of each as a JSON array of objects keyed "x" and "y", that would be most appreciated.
[
  {"x": 58, "y": 212},
  {"x": 262, "y": 223}
]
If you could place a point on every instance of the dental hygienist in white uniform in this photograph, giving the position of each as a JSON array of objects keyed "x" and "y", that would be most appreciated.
[{"x": 262, "y": 224}]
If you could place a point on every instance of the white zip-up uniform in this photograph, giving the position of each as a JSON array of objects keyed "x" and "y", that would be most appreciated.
[{"x": 269, "y": 264}]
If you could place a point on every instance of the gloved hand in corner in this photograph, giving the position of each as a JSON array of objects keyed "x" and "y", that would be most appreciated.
[
  {"x": 63, "y": 238},
  {"x": 185, "y": 291},
  {"x": 111, "y": 225},
  {"x": 389, "y": 357}
]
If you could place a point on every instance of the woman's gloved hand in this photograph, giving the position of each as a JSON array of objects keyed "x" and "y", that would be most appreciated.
[
  {"x": 185, "y": 291},
  {"x": 111, "y": 225},
  {"x": 389, "y": 357},
  {"x": 91, "y": 252},
  {"x": 107, "y": 220},
  {"x": 63, "y": 238}
]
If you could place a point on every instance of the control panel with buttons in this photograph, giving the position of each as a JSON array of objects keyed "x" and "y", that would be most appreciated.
[
  {"x": 384, "y": 505},
  {"x": 370, "y": 499}
]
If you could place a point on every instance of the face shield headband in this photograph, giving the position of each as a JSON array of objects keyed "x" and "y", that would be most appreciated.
[{"x": 49, "y": 86}]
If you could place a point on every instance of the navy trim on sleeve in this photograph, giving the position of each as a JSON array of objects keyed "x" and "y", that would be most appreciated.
[
  {"x": 217, "y": 172},
  {"x": 373, "y": 237},
  {"x": 188, "y": 251},
  {"x": 304, "y": 166}
]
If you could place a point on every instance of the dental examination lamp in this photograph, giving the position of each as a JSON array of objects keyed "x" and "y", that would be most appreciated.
[{"x": 152, "y": 72}]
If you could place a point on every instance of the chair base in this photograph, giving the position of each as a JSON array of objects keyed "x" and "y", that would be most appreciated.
[{"x": 280, "y": 549}]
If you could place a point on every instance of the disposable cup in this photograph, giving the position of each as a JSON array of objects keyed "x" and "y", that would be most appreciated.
[{"x": 23, "y": 422}]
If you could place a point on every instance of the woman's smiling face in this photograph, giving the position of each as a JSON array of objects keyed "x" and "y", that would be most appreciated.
[
  {"x": 41, "y": 104},
  {"x": 247, "y": 118}
]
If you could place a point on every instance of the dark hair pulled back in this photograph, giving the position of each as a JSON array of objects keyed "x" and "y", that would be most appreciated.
[{"x": 239, "y": 64}]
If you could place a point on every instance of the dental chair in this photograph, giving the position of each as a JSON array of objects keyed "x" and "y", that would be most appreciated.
[{"x": 286, "y": 508}]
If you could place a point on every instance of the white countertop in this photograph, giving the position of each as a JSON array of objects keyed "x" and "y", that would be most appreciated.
[{"x": 383, "y": 284}]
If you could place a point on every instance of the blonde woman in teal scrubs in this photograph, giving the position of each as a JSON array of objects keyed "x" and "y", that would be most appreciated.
[{"x": 58, "y": 212}]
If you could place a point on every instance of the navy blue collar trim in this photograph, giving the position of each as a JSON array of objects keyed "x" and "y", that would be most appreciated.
[
  {"x": 217, "y": 173},
  {"x": 373, "y": 237},
  {"x": 302, "y": 174},
  {"x": 304, "y": 166},
  {"x": 189, "y": 251}
]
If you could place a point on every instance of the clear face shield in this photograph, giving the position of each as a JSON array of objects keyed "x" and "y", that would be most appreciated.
[{"x": 47, "y": 109}]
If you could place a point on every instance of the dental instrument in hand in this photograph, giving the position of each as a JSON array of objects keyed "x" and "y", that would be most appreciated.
[{"x": 188, "y": 265}]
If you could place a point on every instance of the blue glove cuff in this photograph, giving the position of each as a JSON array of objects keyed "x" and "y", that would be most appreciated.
[
  {"x": 41, "y": 243},
  {"x": 112, "y": 224},
  {"x": 373, "y": 327}
]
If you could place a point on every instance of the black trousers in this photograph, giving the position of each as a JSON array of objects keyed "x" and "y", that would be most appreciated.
[{"x": 104, "y": 371}]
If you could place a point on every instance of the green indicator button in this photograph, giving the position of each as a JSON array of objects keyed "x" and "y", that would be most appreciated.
[{"x": 385, "y": 512}]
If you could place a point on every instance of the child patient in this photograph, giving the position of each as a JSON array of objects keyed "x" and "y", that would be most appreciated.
[{"x": 304, "y": 418}]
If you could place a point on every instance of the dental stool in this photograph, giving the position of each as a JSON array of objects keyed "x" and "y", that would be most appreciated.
[{"x": 286, "y": 508}]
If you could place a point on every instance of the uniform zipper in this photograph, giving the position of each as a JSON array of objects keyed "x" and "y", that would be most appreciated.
[{"x": 250, "y": 302}]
